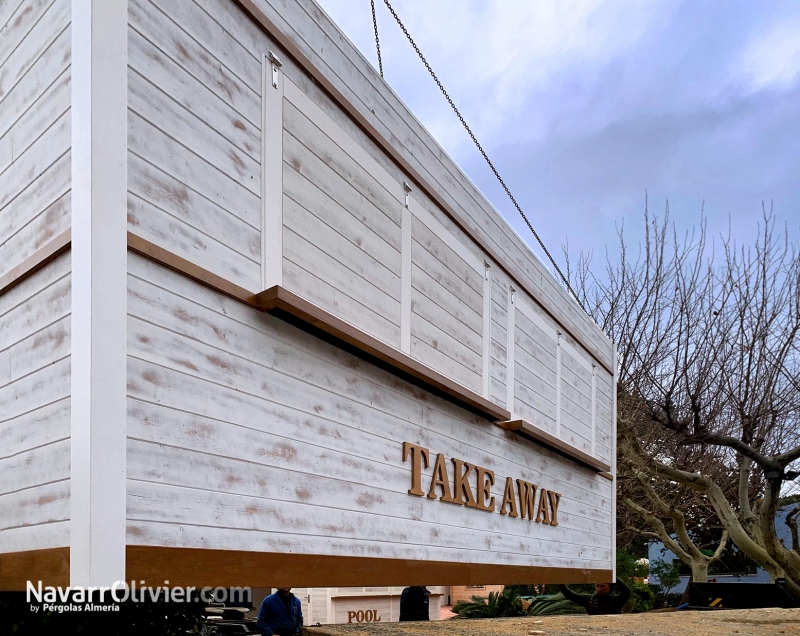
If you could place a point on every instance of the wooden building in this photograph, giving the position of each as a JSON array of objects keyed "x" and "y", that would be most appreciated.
[{"x": 257, "y": 328}]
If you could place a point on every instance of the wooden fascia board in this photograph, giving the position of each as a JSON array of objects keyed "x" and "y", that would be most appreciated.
[
  {"x": 201, "y": 567},
  {"x": 555, "y": 444}
]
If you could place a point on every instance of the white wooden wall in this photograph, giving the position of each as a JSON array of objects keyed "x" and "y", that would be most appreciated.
[
  {"x": 194, "y": 139},
  {"x": 263, "y": 179},
  {"x": 34, "y": 315},
  {"x": 402, "y": 269},
  {"x": 242, "y": 165},
  {"x": 248, "y": 434},
  {"x": 34, "y": 126},
  {"x": 341, "y": 225},
  {"x": 35, "y": 411}
]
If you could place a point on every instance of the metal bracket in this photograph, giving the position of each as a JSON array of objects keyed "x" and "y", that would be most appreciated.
[
  {"x": 486, "y": 266},
  {"x": 512, "y": 290},
  {"x": 276, "y": 64},
  {"x": 407, "y": 189}
]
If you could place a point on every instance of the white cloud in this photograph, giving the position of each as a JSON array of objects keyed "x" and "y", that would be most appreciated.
[
  {"x": 495, "y": 56},
  {"x": 772, "y": 58}
]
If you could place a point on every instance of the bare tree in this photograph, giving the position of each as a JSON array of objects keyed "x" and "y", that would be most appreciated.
[
  {"x": 674, "y": 513},
  {"x": 791, "y": 521},
  {"x": 709, "y": 358}
]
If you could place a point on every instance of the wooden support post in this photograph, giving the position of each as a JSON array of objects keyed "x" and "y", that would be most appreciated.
[{"x": 99, "y": 290}]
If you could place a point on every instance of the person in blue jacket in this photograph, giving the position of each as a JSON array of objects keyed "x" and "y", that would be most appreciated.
[{"x": 280, "y": 614}]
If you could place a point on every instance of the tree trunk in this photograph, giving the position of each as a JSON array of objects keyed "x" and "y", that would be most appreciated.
[{"x": 699, "y": 571}]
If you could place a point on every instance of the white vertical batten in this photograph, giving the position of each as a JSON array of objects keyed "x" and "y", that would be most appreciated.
[
  {"x": 594, "y": 410},
  {"x": 614, "y": 463},
  {"x": 271, "y": 172},
  {"x": 99, "y": 290},
  {"x": 511, "y": 322},
  {"x": 487, "y": 326},
  {"x": 405, "y": 272},
  {"x": 558, "y": 383}
]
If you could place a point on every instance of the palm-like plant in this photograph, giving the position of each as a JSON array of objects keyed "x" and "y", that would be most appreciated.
[
  {"x": 556, "y": 605},
  {"x": 508, "y": 603},
  {"x": 499, "y": 604}
]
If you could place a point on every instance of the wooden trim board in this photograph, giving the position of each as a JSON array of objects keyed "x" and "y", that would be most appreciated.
[
  {"x": 554, "y": 444},
  {"x": 198, "y": 567},
  {"x": 279, "y": 298},
  {"x": 41, "y": 257}
]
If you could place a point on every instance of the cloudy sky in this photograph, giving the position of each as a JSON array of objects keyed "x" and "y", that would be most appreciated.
[{"x": 586, "y": 104}]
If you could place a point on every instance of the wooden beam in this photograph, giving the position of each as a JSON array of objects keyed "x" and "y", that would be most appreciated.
[
  {"x": 41, "y": 257},
  {"x": 280, "y": 298},
  {"x": 553, "y": 443},
  {"x": 228, "y": 568}
]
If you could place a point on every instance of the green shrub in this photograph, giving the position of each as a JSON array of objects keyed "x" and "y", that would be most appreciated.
[
  {"x": 508, "y": 603},
  {"x": 642, "y": 598}
]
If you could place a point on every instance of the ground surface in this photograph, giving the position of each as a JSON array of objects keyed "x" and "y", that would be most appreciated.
[{"x": 762, "y": 622}]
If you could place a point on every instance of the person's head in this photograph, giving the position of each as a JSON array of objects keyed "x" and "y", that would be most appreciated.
[
  {"x": 601, "y": 589},
  {"x": 284, "y": 591}
]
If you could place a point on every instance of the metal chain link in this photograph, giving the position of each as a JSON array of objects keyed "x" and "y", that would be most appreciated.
[
  {"x": 377, "y": 39},
  {"x": 482, "y": 151}
]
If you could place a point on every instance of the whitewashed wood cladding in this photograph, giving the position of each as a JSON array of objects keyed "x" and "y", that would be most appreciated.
[
  {"x": 604, "y": 415},
  {"x": 207, "y": 128},
  {"x": 342, "y": 218},
  {"x": 195, "y": 137},
  {"x": 358, "y": 244},
  {"x": 35, "y": 410},
  {"x": 246, "y": 433},
  {"x": 446, "y": 303},
  {"x": 34, "y": 126}
]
